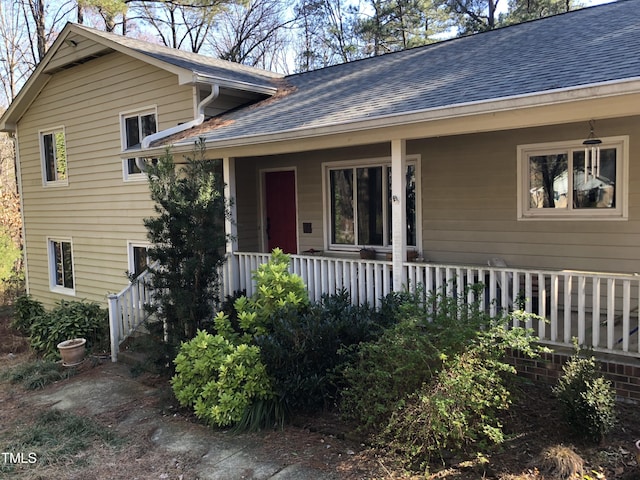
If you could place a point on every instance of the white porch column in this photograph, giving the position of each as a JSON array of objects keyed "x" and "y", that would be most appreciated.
[
  {"x": 230, "y": 225},
  {"x": 399, "y": 211}
]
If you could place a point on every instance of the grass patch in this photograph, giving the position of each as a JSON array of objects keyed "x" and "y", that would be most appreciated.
[
  {"x": 38, "y": 374},
  {"x": 58, "y": 437}
]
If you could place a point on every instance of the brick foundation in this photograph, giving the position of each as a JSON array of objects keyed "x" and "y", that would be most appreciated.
[{"x": 623, "y": 373}]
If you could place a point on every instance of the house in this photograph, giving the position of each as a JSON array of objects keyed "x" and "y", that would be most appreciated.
[{"x": 464, "y": 152}]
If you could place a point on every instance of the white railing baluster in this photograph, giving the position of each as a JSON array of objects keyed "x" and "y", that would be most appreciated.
[
  {"x": 626, "y": 308},
  {"x": 611, "y": 299},
  {"x": 595, "y": 309},
  {"x": 378, "y": 274},
  {"x": 528, "y": 296},
  {"x": 353, "y": 276},
  {"x": 554, "y": 307},
  {"x": 581, "y": 309},
  {"x": 493, "y": 308},
  {"x": 468, "y": 283},
  {"x": 542, "y": 305},
  {"x": 568, "y": 282}
]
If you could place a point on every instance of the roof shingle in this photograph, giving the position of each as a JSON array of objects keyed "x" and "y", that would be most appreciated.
[{"x": 590, "y": 46}]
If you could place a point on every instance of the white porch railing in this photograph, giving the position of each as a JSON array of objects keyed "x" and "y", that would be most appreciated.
[
  {"x": 367, "y": 281},
  {"x": 599, "y": 309},
  {"x": 127, "y": 310}
]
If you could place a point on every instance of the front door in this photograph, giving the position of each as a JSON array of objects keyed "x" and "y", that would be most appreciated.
[{"x": 280, "y": 198}]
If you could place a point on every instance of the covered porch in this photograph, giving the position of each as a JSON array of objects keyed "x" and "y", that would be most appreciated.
[{"x": 459, "y": 208}]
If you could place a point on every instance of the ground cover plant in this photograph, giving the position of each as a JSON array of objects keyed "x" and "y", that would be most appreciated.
[
  {"x": 57, "y": 437},
  {"x": 37, "y": 374}
]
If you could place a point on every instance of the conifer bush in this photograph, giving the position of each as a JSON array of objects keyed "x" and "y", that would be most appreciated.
[
  {"x": 188, "y": 240},
  {"x": 587, "y": 398}
]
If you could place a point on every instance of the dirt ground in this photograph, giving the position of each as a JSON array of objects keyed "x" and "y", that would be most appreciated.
[{"x": 532, "y": 425}]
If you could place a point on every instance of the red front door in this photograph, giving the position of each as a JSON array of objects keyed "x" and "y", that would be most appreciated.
[{"x": 280, "y": 196}]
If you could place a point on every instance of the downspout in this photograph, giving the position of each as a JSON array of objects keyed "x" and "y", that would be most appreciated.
[{"x": 198, "y": 120}]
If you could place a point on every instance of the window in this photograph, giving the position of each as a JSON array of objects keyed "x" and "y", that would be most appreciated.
[
  {"x": 138, "y": 258},
  {"x": 134, "y": 128},
  {"x": 360, "y": 205},
  {"x": 53, "y": 151},
  {"x": 565, "y": 180},
  {"x": 61, "y": 266}
]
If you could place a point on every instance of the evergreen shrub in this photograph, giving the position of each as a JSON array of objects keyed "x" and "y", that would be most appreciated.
[
  {"x": 587, "y": 398},
  {"x": 69, "y": 320}
]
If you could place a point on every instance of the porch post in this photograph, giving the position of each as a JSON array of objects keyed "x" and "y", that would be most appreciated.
[
  {"x": 399, "y": 211},
  {"x": 230, "y": 226}
]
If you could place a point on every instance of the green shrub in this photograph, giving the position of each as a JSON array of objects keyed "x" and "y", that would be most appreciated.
[
  {"x": 588, "y": 400},
  {"x": 219, "y": 379},
  {"x": 303, "y": 350},
  {"x": 26, "y": 309},
  {"x": 237, "y": 390},
  {"x": 459, "y": 407},
  {"x": 66, "y": 321},
  {"x": 276, "y": 288},
  {"x": 386, "y": 371}
]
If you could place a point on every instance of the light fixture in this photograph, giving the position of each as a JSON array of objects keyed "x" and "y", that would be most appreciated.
[{"x": 591, "y": 153}]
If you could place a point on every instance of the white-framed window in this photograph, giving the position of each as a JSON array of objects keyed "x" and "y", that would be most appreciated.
[
  {"x": 568, "y": 180},
  {"x": 138, "y": 253},
  {"x": 134, "y": 126},
  {"x": 53, "y": 154},
  {"x": 358, "y": 203},
  {"x": 61, "y": 271}
]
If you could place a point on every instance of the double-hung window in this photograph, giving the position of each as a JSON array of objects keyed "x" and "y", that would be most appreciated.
[
  {"x": 565, "y": 180},
  {"x": 53, "y": 153},
  {"x": 61, "y": 277},
  {"x": 359, "y": 205},
  {"x": 134, "y": 127}
]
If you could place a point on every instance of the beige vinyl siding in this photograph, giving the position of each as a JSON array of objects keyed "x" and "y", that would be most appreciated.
[
  {"x": 469, "y": 198},
  {"x": 97, "y": 210},
  {"x": 469, "y": 195}
]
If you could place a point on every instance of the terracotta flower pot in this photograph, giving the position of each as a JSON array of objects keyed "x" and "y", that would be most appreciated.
[{"x": 72, "y": 351}]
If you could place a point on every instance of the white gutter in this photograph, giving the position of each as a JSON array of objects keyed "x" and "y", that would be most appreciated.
[
  {"x": 528, "y": 100},
  {"x": 146, "y": 141}
]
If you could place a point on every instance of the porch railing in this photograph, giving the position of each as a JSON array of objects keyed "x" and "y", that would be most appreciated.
[
  {"x": 599, "y": 309},
  {"x": 127, "y": 310}
]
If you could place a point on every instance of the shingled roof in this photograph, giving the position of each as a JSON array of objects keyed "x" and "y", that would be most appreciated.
[
  {"x": 213, "y": 68},
  {"x": 592, "y": 46}
]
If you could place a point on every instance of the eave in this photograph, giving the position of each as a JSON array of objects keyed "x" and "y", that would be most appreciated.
[{"x": 605, "y": 100}]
